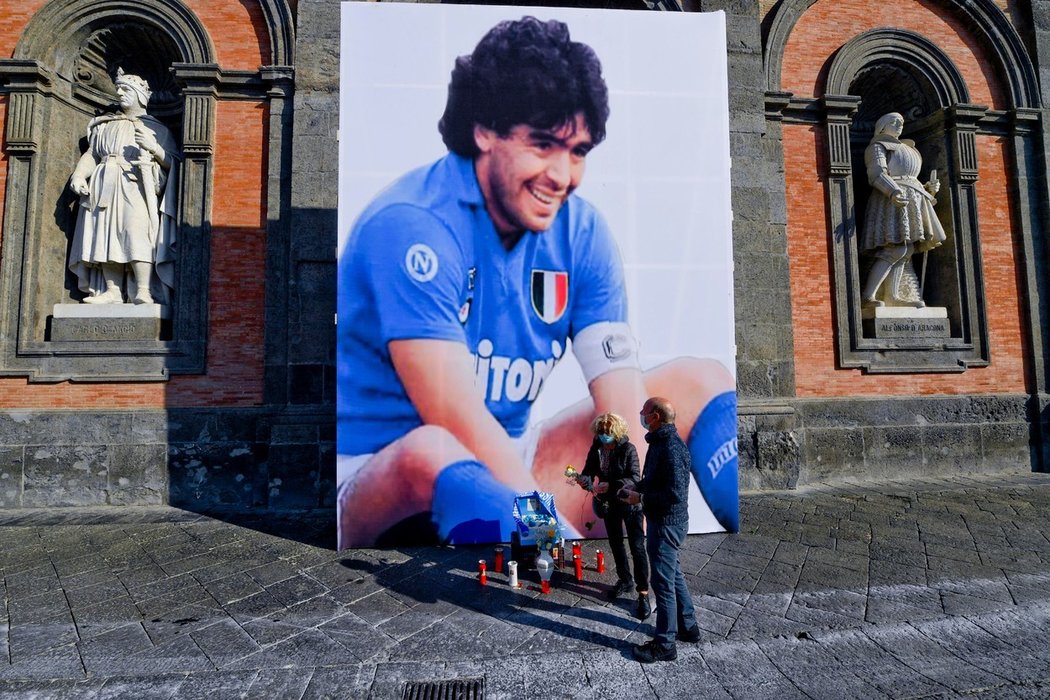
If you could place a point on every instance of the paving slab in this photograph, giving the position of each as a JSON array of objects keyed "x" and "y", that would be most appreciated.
[{"x": 926, "y": 588}]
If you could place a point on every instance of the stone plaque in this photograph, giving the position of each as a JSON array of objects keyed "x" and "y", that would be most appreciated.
[
  {"x": 909, "y": 322},
  {"x": 103, "y": 322}
]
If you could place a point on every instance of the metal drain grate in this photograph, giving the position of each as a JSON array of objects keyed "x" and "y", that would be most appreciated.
[{"x": 460, "y": 689}]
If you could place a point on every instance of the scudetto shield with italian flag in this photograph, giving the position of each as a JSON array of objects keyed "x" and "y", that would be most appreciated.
[{"x": 550, "y": 294}]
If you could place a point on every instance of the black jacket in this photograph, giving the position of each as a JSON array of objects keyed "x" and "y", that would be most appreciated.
[
  {"x": 623, "y": 471},
  {"x": 665, "y": 487}
]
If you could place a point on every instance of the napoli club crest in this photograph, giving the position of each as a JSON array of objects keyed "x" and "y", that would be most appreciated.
[{"x": 550, "y": 294}]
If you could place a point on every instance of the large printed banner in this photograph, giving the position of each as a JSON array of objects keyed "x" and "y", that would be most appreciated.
[{"x": 534, "y": 229}]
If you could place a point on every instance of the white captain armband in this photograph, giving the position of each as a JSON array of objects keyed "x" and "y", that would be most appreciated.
[{"x": 605, "y": 346}]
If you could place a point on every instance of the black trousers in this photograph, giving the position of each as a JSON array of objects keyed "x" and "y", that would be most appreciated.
[{"x": 615, "y": 523}]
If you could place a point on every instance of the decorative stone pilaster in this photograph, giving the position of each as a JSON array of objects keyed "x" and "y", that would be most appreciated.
[
  {"x": 200, "y": 89},
  {"x": 839, "y": 112},
  {"x": 280, "y": 88},
  {"x": 27, "y": 82}
]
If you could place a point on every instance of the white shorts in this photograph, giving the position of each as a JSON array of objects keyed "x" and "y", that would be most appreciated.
[{"x": 346, "y": 466}]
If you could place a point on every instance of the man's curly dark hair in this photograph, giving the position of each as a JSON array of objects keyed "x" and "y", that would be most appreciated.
[{"x": 524, "y": 72}]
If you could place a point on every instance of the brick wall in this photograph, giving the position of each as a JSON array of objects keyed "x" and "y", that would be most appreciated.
[
  {"x": 13, "y": 18},
  {"x": 237, "y": 30},
  {"x": 811, "y": 295},
  {"x": 816, "y": 37},
  {"x": 1001, "y": 264},
  {"x": 238, "y": 265},
  {"x": 234, "y": 375},
  {"x": 240, "y": 164},
  {"x": 823, "y": 29}
]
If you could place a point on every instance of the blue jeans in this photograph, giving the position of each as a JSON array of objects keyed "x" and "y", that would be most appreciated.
[{"x": 674, "y": 605}]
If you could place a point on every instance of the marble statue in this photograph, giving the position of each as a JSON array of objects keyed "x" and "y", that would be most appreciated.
[
  {"x": 125, "y": 231},
  {"x": 900, "y": 219}
]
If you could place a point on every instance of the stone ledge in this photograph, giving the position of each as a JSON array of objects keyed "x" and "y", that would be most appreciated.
[{"x": 111, "y": 311}]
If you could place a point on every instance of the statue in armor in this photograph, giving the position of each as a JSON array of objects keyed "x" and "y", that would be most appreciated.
[{"x": 900, "y": 219}]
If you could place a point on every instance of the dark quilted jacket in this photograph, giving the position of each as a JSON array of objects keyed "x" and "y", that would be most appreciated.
[{"x": 665, "y": 477}]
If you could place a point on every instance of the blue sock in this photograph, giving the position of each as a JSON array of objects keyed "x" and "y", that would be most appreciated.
[
  {"x": 470, "y": 506},
  {"x": 712, "y": 446}
]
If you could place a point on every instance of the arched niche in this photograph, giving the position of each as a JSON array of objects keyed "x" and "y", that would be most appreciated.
[
  {"x": 60, "y": 75},
  {"x": 945, "y": 124},
  {"x": 894, "y": 70}
]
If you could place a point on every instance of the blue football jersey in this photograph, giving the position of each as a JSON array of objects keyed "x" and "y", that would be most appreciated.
[{"x": 424, "y": 261}]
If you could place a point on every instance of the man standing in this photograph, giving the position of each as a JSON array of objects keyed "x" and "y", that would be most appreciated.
[{"x": 664, "y": 495}]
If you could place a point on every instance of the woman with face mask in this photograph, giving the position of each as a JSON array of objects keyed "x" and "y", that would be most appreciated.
[{"x": 612, "y": 464}]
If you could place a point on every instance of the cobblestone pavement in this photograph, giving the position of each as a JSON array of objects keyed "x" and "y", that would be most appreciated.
[{"x": 870, "y": 590}]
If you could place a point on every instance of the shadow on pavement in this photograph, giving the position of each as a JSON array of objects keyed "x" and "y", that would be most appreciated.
[
  {"x": 315, "y": 528},
  {"x": 572, "y": 610}
]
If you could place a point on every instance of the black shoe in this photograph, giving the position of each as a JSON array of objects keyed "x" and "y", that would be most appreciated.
[
  {"x": 691, "y": 635},
  {"x": 645, "y": 609},
  {"x": 654, "y": 651},
  {"x": 620, "y": 588}
]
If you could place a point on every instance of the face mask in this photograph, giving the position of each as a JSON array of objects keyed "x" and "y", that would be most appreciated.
[
  {"x": 645, "y": 423},
  {"x": 605, "y": 439}
]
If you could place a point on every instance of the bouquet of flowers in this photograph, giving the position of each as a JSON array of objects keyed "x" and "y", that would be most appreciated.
[
  {"x": 548, "y": 534},
  {"x": 571, "y": 474}
]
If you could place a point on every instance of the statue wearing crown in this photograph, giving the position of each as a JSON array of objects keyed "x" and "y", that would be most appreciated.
[{"x": 125, "y": 233}]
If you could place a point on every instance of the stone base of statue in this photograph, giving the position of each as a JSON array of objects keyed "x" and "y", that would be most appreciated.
[
  {"x": 101, "y": 322},
  {"x": 896, "y": 322}
]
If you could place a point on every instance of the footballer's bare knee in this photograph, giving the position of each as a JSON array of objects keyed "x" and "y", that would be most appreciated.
[
  {"x": 429, "y": 448},
  {"x": 397, "y": 482},
  {"x": 421, "y": 454},
  {"x": 702, "y": 374},
  {"x": 689, "y": 383}
]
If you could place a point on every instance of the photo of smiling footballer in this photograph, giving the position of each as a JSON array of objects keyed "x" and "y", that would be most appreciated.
[{"x": 463, "y": 284}]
